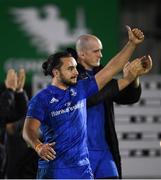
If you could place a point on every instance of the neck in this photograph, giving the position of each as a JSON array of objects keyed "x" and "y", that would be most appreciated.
[
  {"x": 59, "y": 84},
  {"x": 86, "y": 66}
]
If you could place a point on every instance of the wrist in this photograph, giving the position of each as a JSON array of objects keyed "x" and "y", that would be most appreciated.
[
  {"x": 132, "y": 44},
  {"x": 124, "y": 82},
  {"x": 129, "y": 79},
  {"x": 38, "y": 147}
]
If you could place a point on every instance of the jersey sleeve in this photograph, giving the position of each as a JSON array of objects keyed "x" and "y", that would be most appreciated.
[
  {"x": 36, "y": 108},
  {"x": 88, "y": 87}
]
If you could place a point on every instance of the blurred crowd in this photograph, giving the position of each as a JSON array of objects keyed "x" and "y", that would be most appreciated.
[{"x": 17, "y": 159}]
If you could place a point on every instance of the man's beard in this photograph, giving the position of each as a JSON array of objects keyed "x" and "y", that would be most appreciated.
[{"x": 68, "y": 82}]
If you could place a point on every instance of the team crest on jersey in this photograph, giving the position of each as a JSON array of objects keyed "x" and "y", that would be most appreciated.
[
  {"x": 54, "y": 100},
  {"x": 73, "y": 92}
]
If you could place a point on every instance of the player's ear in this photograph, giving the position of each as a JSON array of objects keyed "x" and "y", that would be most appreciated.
[
  {"x": 55, "y": 72},
  {"x": 82, "y": 55}
]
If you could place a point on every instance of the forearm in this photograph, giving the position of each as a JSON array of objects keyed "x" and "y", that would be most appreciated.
[
  {"x": 31, "y": 138},
  {"x": 115, "y": 65},
  {"x": 31, "y": 133},
  {"x": 123, "y": 83},
  {"x": 126, "y": 81}
]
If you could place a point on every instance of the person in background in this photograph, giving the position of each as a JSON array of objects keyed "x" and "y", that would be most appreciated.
[
  {"x": 103, "y": 146},
  {"x": 21, "y": 160},
  {"x": 7, "y": 109},
  {"x": 2, "y": 155}
]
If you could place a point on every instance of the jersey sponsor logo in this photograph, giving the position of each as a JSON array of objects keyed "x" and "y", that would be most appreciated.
[
  {"x": 68, "y": 109},
  {"x": 54, "y": 100}
]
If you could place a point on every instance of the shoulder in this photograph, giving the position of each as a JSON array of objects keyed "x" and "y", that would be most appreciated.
[
  {"x": 86, "y": 82},
  {"x": 40, "y": 95}
]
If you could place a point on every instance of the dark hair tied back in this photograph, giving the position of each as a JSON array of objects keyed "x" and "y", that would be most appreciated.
[
  {"x": 44, "y": 67},
  {"x": 54, "y": 61},
  {"x": 47, "y": 66}
]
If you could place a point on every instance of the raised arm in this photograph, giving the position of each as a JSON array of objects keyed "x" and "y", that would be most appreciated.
[
  {"x": 130, "y": 94},
  {"x": 21, "y": 98},
  {"x": 115, "y": 88},
  {"x": 117, "y": 63},
  {"x": 135, "y": 69}
]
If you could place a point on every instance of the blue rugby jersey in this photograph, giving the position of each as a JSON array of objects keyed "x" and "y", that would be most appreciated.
[
  {"x": 62, "y": 114},
  {"x": 95, "y": 125}
]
